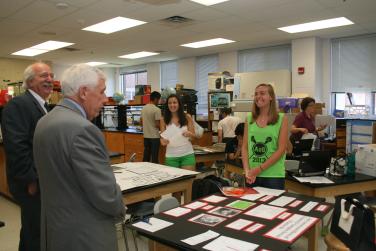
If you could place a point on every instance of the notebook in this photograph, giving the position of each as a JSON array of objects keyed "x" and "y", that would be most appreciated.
[{"x": 313, "y": 163}]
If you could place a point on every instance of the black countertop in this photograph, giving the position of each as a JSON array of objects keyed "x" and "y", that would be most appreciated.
[{"x": 129, "y": 130}]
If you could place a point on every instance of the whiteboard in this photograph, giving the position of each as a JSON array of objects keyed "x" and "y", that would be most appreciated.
[{"x": 245, "y": 83}]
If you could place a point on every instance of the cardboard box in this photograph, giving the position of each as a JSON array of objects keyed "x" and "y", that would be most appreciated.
[
  {"x": 138, "y": 99},
  {"x": 365, "y": 159},
  {"x": 142, "y": 89},
  {"x": 145, "y": 99}
]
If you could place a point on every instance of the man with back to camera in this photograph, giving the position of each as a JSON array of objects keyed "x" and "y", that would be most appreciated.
[
  {"x": 19, "y": 119},
  {"x": 150, "y": 116},
  {"x": 227, "y": 125},
  {"x": 80, "y": 197}
]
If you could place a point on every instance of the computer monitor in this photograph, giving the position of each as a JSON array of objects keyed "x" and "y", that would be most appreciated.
[
  {"x": 300, "y": 146},
  {"x": 314, "y": 163}
]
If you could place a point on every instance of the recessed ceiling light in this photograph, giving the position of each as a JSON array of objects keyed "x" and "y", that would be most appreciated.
[
  {"x": 41, "y": 48},
  {"x": 209, "y": 2},
  {"x": 317, "y": 25},
  {"x": 51, "y": 45},
  {"x": 95, "y": 63},
  {"x": 140, "y": 54},
  {"x": 29, "y": 52},
  {"x": 113, "y": 25},
  {"x": 206, "y": 43}
]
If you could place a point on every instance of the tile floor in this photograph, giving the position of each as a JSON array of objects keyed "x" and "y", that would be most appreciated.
[{"x": 9, "y": 235}]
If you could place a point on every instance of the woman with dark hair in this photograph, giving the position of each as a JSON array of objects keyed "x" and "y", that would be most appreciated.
[
  {"x": 176, "y": 131},
  {"x": 265, "y": 140},
  {"x": 305, "y": 121}
]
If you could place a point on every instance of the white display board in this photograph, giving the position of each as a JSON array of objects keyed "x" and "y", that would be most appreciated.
[{"x": 245, "y": 83}]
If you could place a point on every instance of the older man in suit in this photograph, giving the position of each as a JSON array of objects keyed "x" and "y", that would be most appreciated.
[
  {"x": 19, "y": 120},
  {"x": 80, "y": 197}
]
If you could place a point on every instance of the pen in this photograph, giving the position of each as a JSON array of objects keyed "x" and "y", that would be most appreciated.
[{"x": 146, "y": 220}]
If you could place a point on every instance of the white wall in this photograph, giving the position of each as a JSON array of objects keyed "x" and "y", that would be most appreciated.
[
  {"x": 111, "y": 77},
  {"x": 12, "y": 69}
]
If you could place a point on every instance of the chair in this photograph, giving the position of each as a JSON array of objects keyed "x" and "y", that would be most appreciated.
[
  {"x": 165, "y": 204},
  {"x": 334, "y": 244}
]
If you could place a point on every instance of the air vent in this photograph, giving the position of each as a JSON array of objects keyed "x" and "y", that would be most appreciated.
[{"x": 177, "y": 21}]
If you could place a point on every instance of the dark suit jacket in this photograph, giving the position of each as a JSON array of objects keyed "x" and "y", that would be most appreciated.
[{"x": 19, "y": 119}]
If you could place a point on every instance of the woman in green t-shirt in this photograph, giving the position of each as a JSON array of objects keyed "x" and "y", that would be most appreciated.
[{"x": 265, "y": 141}]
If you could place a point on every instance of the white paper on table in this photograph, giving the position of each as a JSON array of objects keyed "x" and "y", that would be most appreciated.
[
  {"x": 266, "y": 211},
  {"x": 214, "y": 198},
  {"x": 292, "y": 228},
  {"x": 195, "y": 205},
  {"x": 178, "y": 211},
  {"x": 269, "y": 191},
  {"x": 153, "y": 225},
  {"x": 252, "y": 197},
  {"x": 282, "y": 201},
  {"x": 314, "y": 180},
  {"x": 224, "y": 243},
  {"x": 194, "y": 240},
  {"x": 239, "y": 224},
  {"x": 309, "y": 206}
]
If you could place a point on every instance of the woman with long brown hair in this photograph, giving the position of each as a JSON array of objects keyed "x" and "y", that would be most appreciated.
[{"x": 265, "y": 140}]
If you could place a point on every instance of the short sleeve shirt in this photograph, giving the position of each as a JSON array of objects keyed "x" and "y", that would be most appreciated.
[
  {"x": 232, "y": 145},
  {"x": 150, "y": 113},
  {"x": 303, "y": 121}
]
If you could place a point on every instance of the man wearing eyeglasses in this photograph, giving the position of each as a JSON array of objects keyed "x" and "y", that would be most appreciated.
[{"x": 19, "y": 120}]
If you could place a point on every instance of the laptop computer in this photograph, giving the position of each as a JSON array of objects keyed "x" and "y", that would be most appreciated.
[
  {"x": 300, "y": 146},
  {"x": 313, "y": 163}
]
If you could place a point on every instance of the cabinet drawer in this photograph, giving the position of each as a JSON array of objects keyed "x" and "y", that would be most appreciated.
[{"x": 341, "y": 132}]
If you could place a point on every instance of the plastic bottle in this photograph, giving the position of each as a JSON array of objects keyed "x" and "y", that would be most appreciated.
[{"x": 350, "y": 171}]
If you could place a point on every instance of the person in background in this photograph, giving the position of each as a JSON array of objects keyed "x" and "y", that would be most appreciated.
[
  {"x": 227, "y": 125},
  {"x": 305, "y": 121},
  {"x": 19, "y": 119},
  {"x": 150, "y": 117},
  {"x": 80, "y": 197},
  {"x": 264, "y": 147},
  {"x": 179, "y": 150},
  {"x": 234, "y": 146}
]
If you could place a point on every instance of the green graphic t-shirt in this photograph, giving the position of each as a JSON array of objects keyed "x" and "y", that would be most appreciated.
[{"x": 262, "y": 143}]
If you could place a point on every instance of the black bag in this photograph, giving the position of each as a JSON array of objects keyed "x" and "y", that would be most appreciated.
[
  {"x": 354, "y": 224},
  {"x": 207, "y": 186}
]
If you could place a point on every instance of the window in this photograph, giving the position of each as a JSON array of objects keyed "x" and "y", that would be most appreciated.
[
  {"x": 204, "y": 66},
  {"x": 128, "y": 81},
  {"x": 353, "y": 63},
  {"x": 339, "y": 101},
  {"x": 265, "y": 59},
  {"x": 169, "y": 74}
]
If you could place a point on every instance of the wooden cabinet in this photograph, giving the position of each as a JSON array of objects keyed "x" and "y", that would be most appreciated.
[
  {"x": 115, "y": 142},
  {"x": 4, "y": 189},
  {"x": 133, "y": 143}
]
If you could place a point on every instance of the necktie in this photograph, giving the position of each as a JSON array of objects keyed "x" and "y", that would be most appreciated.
[{"x": 46, "y": 106}]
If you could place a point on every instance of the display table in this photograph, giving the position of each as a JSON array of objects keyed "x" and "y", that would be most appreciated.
[
  {"x": 140, "y": 181},
  {"x": 183, "y": 227}
]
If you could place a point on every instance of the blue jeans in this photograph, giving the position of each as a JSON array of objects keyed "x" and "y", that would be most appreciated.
[{"x": 274, "y": 183}]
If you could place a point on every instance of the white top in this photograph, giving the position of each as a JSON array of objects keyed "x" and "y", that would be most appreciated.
[
  {"x": 150, "y": 113},
  {"x": 228, "y": 126},
  {"x": 179, "y": 145}
]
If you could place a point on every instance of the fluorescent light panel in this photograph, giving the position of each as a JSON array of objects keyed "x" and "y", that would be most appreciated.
[
  {"x": 41, "y": 48},
  {"x": 209, "y": 2},
  {"x": 95, "y": 63},
  {"x": 318, "y": 25},
  {"x": 29, "y": 52},
  {"x": 140, "y": 54},
  {"x": 206, "y": 43},
  {"x": 113, "y": 25},
  {"x": 51, "y": 45}
]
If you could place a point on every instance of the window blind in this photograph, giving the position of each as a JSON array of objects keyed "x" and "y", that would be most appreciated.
[
  {"x": 265, "y": 59},
  {"x": 204, "y": 66},
  {"x": 169, "y": 74},
  {"x": 353, "y": 64}
]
